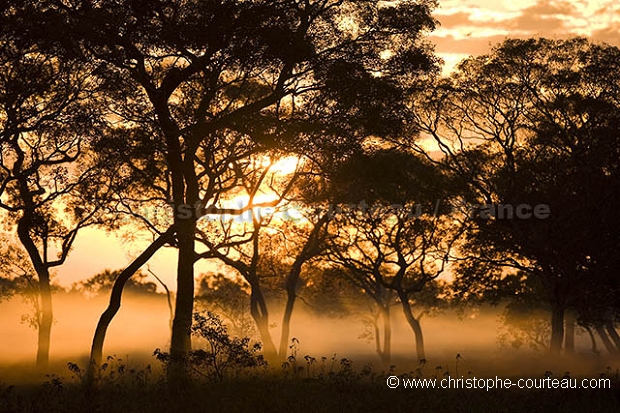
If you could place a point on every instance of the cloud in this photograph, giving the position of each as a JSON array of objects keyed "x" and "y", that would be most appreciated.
[
  {"x": 472, "y": 45},
  {"x": 472, "y": 28},
  {"x": 457, "y": 19},
  {"x": 610, "y": 35},
  {"x": 543, "y": 17}
]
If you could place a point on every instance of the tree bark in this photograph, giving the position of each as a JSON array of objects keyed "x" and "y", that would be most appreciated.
[
  {"x": 386, "y": 352},
  {"x": 611, "y": 349},
  {"x": 310, "y": 249},
  {"x": 45, "y": 319},
  {"x": 114, "y": 305},
  {"x": 611, "y": 330},
  {"x": 557, "y": 328},
  {"x": 569, "y": 335},
  {"x": 185, "y": 196},
  {"x": 592, "y": 340},
  {"x": 291, "y": 295},
  {"x": 180, "y": 343},
  {"x": 260, "y": 314},
  {"x": 414, "y": 324},
  {"x": 286, "y": 320},
  {"x": 168, "y": 297},
  {"x": 377, "y": 335}
]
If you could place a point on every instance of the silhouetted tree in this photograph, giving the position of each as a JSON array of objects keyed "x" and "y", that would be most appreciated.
[
  {"x": 397, "y": 238},
  {"x": 46, "y": 125},
  {"x": 229, "y": 299},
  {"x": 16, "y": 273},
  {"x": 270, "y": 249},
  {"x": 535, "y": 123},
  {"x": 19, "y": 279},
  {"x": 195, "y": 73}
]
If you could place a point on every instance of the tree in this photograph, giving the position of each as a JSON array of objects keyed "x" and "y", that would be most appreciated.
[
  {"x": 103, "y": 282},
  {"x": 227, "y": 298},
  {"x": 199, "y": 72},
  {"x": 15, "y": 271},
  {"x": 400, "y": 242},
  {"x": 19, "y": 279},
  {"x": 258, "y": 249},
  {"x": 534, "y": 123},
  {"x": 46, "y": 124}
]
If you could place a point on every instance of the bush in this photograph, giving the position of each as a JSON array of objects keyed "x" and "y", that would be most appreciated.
[{"x": 221, "y": 353}]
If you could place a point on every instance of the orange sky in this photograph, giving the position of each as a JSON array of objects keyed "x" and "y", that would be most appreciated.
[
  {"x": 467, "y": 28},
  {"x": 95, "y": 250}
]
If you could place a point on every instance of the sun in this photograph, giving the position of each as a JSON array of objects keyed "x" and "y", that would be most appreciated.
[
  {"x": 265, "y": 201},
  {"x": 284, "y": 166}
]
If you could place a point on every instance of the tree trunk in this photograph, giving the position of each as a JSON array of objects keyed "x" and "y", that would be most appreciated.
[
  {"x": 180, "y": 343},
  {"x": 96, "y": 351},
  {"x": 611, "y": 349},
  {"x": 377, "y": 336},
  {"x": 291, "y": 295},
  {"x": 569, "y": 335},
  {"x": 286, "y": 323},
  {"x": 260, "y": 314},
  {"x": 557, "y": 328},
  {"x": 611, "y": 330},
  {"x": 46, "y": 316},
  {"x": 592, "y": 340},
  {"x": 168, "y": 298},
  {"x": 414, "y": 324},
  {"x": 309, "y": 250},
  {"x": 386, "y": 352},
  {"x": 45, "y": 319}
]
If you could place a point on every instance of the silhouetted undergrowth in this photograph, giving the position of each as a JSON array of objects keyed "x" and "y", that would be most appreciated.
[{"x": 221, "y": 355}]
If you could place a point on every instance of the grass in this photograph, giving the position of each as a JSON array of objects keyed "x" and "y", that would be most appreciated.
[{"x": 303, "y": 385}]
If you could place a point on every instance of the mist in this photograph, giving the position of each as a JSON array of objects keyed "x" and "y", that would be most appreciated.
[{"x": 143, "y": 324}]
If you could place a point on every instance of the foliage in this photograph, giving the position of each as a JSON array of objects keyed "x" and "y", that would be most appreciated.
[
  {"x": 525, "y": 324},
  {"x": 19, "y": 279},
  {"x": 396, "y": 238},
  {"x": 326, "y": 293},
  {"x": 222, "y": 356},
  {"x": 16, "y": 272},
  {"x": 49, "y": 188},
  {"x": 535, "y": 122},
  {"x": 208, "y": 93},
  {"x": 228, "y": 299},
  {"x": 101, "y": 284},
  {"x": 185, "y": 105},
  {"x": 315, "y": 385}
]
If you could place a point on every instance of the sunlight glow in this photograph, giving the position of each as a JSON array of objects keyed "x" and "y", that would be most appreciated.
[
  {"x": 265, "y": 202},
  {"x": 285, "y": 166}
]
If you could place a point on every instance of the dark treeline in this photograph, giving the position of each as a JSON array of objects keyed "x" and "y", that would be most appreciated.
[{"x": 315, "y": 151}]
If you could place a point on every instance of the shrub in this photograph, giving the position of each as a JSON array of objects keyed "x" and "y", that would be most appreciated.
[{"x": 221, "y": 353}]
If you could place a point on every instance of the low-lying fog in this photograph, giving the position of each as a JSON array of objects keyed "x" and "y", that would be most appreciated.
[{"x": 143, "y": 325}]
